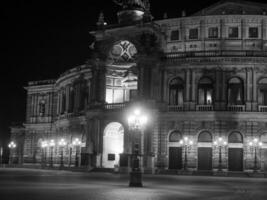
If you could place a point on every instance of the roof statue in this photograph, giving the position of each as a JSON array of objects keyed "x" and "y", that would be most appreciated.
[
  {"x": 133, "y": 11},
  {"x": 134, "y": 4}
]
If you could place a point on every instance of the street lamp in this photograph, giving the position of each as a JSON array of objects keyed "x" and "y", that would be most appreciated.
[
  {"x": 44, "y": 145},
  {"x": 77, "y": 143},
  {"x": 136, "y": 122},
  {"x": 254, "y": 145},
  {"x": 220, "y": 143},
  {"x": 51, "y": 144},
  {"x": 186, "y": 144},
  {"x": 62, "y": 143},
  {"x": 12, "y": 145}
]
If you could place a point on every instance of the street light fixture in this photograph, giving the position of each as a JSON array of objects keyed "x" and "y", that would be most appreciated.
[
  {"x": 77, "y": 143},
  {"x": 186, "y": 144},
  {"x": 136, "y": 122},
  {"x": 12, "y": 145},
  {"x": 220, "y": 143},
  {"x": 44, "y": 145},
  {"x": 51, "y": 144},
  {"x": 254, "y": 145},
  {"x": 62, "y": 143}
]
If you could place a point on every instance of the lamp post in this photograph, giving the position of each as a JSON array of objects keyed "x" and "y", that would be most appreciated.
[
  {"x": 51, "y": 145},
  {"x": 186, "y": 144},
  {"x": 77, "y": 143},
  {"x": 220, "y": 143},
  {"x": 62, "y": 143},
  {"x": 1, "y": 155},
  {"x": 44, "y": 145},
  {"x": 12, "y": 145},
  {"x": 254, "y": 145},
  {"x": 136, "y": 122}
]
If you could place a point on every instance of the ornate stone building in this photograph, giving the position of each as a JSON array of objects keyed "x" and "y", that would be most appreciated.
[{"x": 200, "y": 77}]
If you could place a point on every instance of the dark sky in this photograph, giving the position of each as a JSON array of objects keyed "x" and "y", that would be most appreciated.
[{"x": 41, "y": 39}]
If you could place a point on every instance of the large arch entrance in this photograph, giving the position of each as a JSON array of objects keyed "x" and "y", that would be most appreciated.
[
  {"x": 113, "y": 141},
  {"x": 175, "y": 151},
  {"x": 205, "y": 151},
  {"x": 235, "y": 152}
]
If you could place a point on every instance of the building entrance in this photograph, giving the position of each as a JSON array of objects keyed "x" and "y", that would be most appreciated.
[
  {"x": 175, "y": 158},
  {"x": 235, "y": 159},
  {"x": 205, "y": 158},
  {"x": 113, "y": 141}
]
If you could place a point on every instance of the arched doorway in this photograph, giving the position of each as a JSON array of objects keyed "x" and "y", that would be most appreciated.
[
  {"x": 205, "y": 151},
  {"x": 175, "y": 151},
  {"x": 235, "y": 152},
  {"x": 112, "y": 144}
]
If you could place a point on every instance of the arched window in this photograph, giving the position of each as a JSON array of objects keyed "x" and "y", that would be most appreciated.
[
  {"x": 42, "y": 108},
  {"x": 71, "y": 100},
  {"x": 205, "y": 136},
  {"x": 235, "y": 91},
  {"x": 235, "y": 137},
  {"x": 205, "y": 91},
  {"x": 175, "y": 136},
  {"x": 176, "y": 92},
  {"x": 262, "y": 92},
  {"x": 263, "y": 138}
]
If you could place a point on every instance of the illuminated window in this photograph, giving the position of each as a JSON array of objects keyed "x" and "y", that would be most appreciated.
[
  {"x": 262, "y": 92},
  {"x": 205, "y": 92},
  {"x": 176, "y": 92},
  {"x": 235, "y": 91}
]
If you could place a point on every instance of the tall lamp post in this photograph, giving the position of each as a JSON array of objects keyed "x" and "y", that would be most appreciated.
[
  {"x": 1, "y": 156},
  {"x": 44, "y": 145},
  {"x": 12, "y": 145},
  {"x": 220, "y": 143},
  {"x": 62, "y": 143},
  {"x": 51, "y": 145},
  {"x": 254, "y": 145},
  {"x": 77, "y": 143},
  {"x": 136, "y": 122},
  {"x": 186, "y": 144}
]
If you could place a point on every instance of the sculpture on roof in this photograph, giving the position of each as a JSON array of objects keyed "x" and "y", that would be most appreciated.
[{"x": 134, "y": 4}]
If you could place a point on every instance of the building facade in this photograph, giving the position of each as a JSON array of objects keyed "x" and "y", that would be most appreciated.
[{"x": 202, "y": 78}]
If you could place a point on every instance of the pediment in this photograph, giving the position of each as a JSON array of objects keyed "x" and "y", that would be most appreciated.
[{"x": 234, "y": 7}]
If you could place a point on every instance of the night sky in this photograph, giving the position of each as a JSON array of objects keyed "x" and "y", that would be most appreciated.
[{"x": 41, "y": 39}]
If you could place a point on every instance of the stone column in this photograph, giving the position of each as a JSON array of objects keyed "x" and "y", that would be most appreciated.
[{"x": 193, "y": 90}]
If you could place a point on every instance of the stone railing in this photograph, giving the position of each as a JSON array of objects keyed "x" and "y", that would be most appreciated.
[
  {"x": 175, "y": 108},
  {"x": 114, "y": 106},
  {"x": 222, "y": 53},
  {"x": 236, "y": 108},
  {"x": 262, "y": 108},
  {"x": 204, "y": 107},
  {"x": 39, "y": 119}
]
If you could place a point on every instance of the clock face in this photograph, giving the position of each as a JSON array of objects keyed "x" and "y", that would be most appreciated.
[{"x": 123, "y": 51}]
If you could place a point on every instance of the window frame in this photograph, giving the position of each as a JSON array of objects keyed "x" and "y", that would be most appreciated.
[
  {"x": 190, "y": 34},
  {"x": 233, "y": 37}
]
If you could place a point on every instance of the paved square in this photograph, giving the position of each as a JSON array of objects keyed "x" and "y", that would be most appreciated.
[{"x": 44, "y": 184}]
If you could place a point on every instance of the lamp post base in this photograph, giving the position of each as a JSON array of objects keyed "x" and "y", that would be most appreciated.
[{"x": 136, "y": 179}]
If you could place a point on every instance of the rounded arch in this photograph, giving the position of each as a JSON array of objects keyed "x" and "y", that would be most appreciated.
[
  {"x": 235, "y": 80},
  {"x": 235, "y": 137},
  {"x": 113, "y": 143},
  {"x": 263, "y": 137},
  {"x": 205, "y": 80},
  {"x": 176, "y": 81},
  {"x": 205, "y": 136},
  {"x": 175, "y": 136},
  {"x": 262, "y": 81}
]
